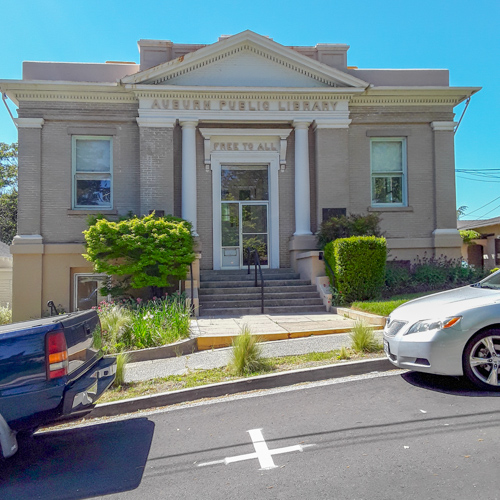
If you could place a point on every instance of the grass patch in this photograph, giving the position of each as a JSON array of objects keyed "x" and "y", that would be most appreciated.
[
  {"x": 385, "y": 307},
  {"x": 204, "y": 377}
]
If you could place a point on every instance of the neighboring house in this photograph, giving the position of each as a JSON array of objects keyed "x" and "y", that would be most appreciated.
[
  {"x": 253, "y": 142},
  {"x": 5, "y": 275},
  {"x": 484, "y": 251}
]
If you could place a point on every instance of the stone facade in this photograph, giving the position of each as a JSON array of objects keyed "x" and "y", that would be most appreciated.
[{"x": 187, "y": 113}]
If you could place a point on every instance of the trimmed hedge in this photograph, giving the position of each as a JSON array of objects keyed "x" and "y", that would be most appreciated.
[{"x": 359, "y": 266}]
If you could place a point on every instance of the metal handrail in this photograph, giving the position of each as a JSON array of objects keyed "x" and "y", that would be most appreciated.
[
  {"x": 257, "y": 263},
  {"x": 53, "y": 309},
  {"x": 327, "y": 264}
]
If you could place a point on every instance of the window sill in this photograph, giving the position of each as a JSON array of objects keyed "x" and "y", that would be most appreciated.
[
  {"x": 95, "y": 211},
  {"x": 390, "y": 209}
]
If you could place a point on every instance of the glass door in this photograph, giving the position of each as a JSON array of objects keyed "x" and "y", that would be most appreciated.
[
  {"x": 244, "y": 214},
  {"x": 254, "y": 232}
]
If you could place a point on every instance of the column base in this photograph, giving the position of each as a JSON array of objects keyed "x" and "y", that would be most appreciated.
[{"x": 299, "y": 244}]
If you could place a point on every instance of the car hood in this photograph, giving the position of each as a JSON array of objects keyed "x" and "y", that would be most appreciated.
[{"x": 445, "y": 304}]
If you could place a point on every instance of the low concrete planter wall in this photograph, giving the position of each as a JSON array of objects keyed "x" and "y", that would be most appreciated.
[
  {"x": 180, "y": 348},
  {"x": 371, "y": 319}
]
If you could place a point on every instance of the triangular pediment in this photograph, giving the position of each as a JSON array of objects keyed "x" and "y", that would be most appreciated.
[{"x": 245, "y": 60}]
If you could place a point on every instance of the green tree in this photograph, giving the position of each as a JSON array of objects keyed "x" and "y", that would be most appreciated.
[
  {"x": 8, "y": 192},
  {"x": 461, "y": 211},
  {"x": 145, "y": 252}
]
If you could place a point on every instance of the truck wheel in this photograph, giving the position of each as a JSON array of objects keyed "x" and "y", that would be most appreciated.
[{"x": 481, "y": 360}]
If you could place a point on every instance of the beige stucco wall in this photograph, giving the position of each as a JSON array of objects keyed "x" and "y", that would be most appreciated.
[
  {"x": 43, "y": 276},
  {"x": 147, "y": 174}
]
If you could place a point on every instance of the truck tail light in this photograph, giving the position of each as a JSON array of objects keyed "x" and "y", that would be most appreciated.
[{"x": 56, "y": 355}]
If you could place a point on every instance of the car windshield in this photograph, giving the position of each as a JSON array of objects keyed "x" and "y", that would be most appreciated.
[{"x": 492, "y": 281}]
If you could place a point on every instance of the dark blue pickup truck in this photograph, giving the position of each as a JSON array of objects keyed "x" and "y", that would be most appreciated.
[{"x": 50, "y": 369}]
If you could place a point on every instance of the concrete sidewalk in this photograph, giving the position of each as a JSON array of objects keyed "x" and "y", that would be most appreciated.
[
  {"x": 284, "y": 335},
  {"x": 216, "y": 332}
]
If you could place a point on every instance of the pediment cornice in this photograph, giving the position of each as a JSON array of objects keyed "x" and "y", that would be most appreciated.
[{"x": 246, "y": 42}]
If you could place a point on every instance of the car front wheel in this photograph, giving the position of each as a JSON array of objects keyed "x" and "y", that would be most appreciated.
[{"x": 481, "y": 360}]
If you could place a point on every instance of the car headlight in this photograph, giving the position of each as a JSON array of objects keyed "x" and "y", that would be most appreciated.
[{"x": 426, "y": 325}]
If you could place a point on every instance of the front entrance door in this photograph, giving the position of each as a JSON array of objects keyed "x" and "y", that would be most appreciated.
[{"x": 244, "y": 214}]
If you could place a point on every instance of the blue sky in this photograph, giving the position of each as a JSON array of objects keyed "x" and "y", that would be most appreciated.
[{"x": 459, "y": 35}]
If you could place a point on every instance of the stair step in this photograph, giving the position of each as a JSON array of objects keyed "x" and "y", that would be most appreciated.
[
  {"x": 243, "y": 311},
  {"x": 239, "y": 284},
  {"x": 256, "y": 290},
  {"x": 249, "y": 277},
  {"x": 217, "y": 304},
  {"x": 282, "y": 293}
]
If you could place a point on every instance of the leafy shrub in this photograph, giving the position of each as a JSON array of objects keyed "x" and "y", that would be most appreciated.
[
  {"x": 397, "y": 273},
  {"x": 363, "y": 339},
  {"x": 246, "y": 356},
  {"x": 429, "y": 273},
  {"x": 345, "y": 226},
  {"x": 148, "y": 251},
  {"x": 468, "y": 235},
  {"x": 359, "y": 266}
]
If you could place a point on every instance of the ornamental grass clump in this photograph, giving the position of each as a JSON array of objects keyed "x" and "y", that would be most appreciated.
[
  {"x": 5, "y": 315},
  {"x": 246, "y": 356},
  {"x": 363, "y": 339},
  {"x": 116, "y": 326},
  {"x": 121, "y": 361}
]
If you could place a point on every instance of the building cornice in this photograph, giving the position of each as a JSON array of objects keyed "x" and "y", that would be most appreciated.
[
  {"x": 413, "y": 96},
  {"x": 18, "y": 90},
  {"x": 269, "y": 93}
]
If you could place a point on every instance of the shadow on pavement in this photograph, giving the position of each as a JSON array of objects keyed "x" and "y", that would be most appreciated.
[
  {"x": 457, "y": 386},
  {"x": 78, "y": 463}
]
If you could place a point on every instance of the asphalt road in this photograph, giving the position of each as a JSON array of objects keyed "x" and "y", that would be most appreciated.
[{"x": 387, "y": 437}]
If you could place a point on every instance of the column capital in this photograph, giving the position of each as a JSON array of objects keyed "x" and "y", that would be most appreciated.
[
  {"x": 29, "y": 122},
  {"x": 332, "y": 123},
  {"x": 188, "y": 123},
  {"x": 301, "y": 124},
  {"x": 156, "y": 122},
  {"x": 443, "y": 126}
]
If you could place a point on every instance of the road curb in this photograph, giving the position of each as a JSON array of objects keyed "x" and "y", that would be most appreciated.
[
  {"x": 248, "y": 384},
  {"x": 208, "y": 342}
]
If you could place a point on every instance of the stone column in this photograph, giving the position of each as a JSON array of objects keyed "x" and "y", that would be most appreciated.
[
  {"x": 447, "y": 240},
  {"x": 189, "y": 192},
  {"x": 302, "y": 182},
  {"x": 27, "y": 248},
  {"x": 30, "y": 165},
  {"x": 157, "y": 164}
]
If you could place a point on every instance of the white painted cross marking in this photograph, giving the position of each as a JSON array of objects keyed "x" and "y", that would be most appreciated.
[{"x": 262, "y": 452}]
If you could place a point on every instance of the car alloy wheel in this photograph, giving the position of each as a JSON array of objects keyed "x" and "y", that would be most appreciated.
[{"x": 481, "y": 360}]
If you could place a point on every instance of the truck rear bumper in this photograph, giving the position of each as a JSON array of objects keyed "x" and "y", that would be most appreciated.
[
  {"x": 8, "y": 441},
  {"x": 82, "y": 395}
]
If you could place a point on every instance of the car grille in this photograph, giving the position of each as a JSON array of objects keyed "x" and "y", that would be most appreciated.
[{"x": 392, "y": 328}]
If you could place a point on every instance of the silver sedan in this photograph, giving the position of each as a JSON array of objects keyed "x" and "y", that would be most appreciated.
[{"x": 456, "y": 332}]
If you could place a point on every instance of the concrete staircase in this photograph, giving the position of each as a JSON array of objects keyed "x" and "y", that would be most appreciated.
[{"x": 233, "y": 293}]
